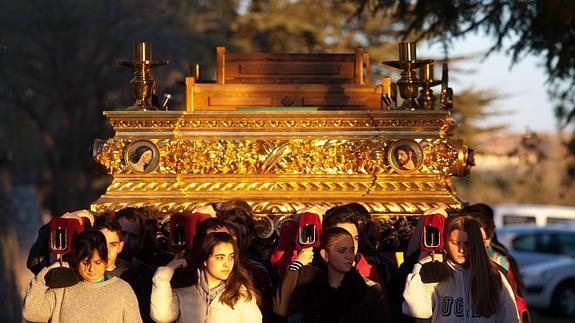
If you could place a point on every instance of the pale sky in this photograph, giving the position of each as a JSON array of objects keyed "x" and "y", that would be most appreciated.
[{"x": 522, "y": 87}]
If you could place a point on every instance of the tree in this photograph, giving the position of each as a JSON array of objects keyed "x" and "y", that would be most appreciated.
[
  {"x": 57, "y": 75},
  {"x": 545, "y": 28},
  {"x": 472, "y": 107},
  {"x": 285, "y": 26}
]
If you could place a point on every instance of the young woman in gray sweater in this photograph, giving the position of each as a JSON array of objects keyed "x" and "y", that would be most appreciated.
[{"x": 97, "y": 297}]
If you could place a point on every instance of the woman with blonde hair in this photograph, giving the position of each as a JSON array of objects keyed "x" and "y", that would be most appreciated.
[{"x": 475, "y": 290}]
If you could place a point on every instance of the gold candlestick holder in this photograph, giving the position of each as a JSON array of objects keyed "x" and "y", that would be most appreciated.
[
  {"x": 446, "y": 95},
  {"x": 408, "y": 83},
  {"x": 426, "y": 99},
  {"x": 143, "y": 83}
]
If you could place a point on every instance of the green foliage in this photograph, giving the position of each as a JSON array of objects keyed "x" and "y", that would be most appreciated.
[
  {"x": 288, "y": 26},
  {"x": 58, "y": 73},
  {"x": 545, "y": 28},
  {"x": 541, "y": 27},
  {"x": 471, "y": 108}
]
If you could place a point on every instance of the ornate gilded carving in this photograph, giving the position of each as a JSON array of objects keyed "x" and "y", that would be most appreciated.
[
  {"x": 440, "y": 155},
  {"x": 245, "y": 121},
  {"x": 282, "y": 162},
  {"x": 278, "y": 157},
  {"x": 109, "y": 155},
  {"x": 184, "y": 185}
]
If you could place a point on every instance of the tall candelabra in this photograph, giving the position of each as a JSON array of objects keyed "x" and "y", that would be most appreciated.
[
  {"x": 446, "y": 95},
  {"x": 426, "y": 99},
  {"x": 143, "y": 83},
  {"x": 408, "y": 83}
]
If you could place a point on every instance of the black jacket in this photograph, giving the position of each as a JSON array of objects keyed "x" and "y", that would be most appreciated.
[
  {"x": 39, "y": 256},
  {"x": 306, "y": 290}
]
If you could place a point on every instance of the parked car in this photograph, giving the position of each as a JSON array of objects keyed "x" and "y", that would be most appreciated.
[
  {"x": 541, "y": 215},
  {"x": 546, "y": 258}
]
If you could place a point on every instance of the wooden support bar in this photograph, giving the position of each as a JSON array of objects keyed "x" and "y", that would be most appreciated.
[
  {"x": 358, "y": 69},
  {"x": 190, "y": 93},
  {"x": 366, "y": 66},
  {"x": 221, "y": 65}
]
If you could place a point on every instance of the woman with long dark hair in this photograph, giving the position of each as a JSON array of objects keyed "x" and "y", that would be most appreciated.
[
  {"x": 223, "y": 293},
  {"x": 332, "y": 291},
  {"x": 475, "y": 290},
  {"x": 500, "y": 255},
  {"x": 97, "y": 297}
]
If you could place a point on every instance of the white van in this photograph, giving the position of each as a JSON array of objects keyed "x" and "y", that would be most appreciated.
[{"x": 541, "y": 215}]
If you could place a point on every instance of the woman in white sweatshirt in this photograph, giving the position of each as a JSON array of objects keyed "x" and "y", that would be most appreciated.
[
  {"x": 223, "y": 293},
  {"x": 476, "y": 290}
]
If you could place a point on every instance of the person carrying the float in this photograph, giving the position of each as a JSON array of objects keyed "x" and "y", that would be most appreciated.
[
  {"x": 332, "y": 290},
  {"x": 223, "y": 292},
  {"x": 96, "y": 297},
  {"x": 466, "y": 286}
]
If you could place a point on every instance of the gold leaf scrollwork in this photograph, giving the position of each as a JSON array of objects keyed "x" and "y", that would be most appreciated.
[
  {"x": 110, "y": 155},
  {"x": 279, "y": 157},
  {"x": 440, "y": 155}
]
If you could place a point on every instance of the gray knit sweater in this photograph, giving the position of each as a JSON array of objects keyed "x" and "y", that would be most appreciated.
[{"x": 110, "y": 301}]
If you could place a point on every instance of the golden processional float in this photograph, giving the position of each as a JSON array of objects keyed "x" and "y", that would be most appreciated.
[{"x": 285, "y": 132}]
